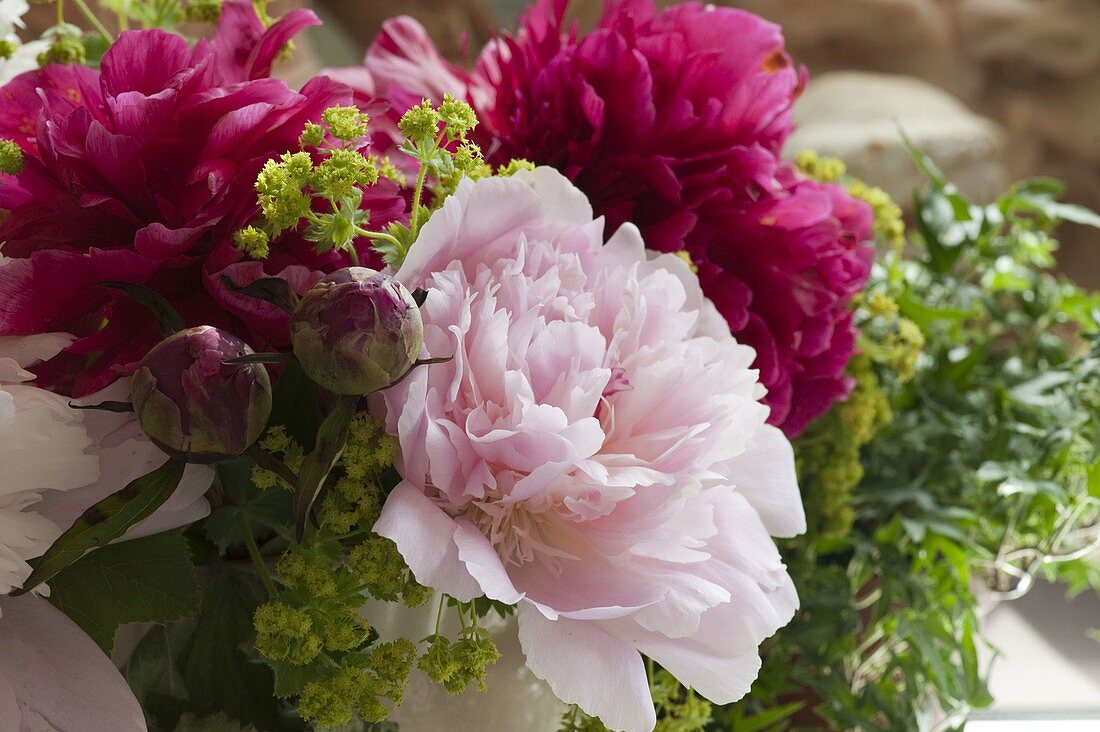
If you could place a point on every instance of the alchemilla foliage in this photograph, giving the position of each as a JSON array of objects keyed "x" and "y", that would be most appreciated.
[{"x": 965, "y": 464}]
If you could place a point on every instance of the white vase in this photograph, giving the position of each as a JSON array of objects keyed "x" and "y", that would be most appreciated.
[{"x": 515, "y": 701}]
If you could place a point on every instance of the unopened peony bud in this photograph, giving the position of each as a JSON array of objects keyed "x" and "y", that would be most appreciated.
[
  {"x": 194, "y": 406},
  {"x": 357, "y": 331}
]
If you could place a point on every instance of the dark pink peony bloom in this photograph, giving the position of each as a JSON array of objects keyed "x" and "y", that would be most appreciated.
[
  {"x": 141, "y": 172},
  {"x": 674, "y": 120}
]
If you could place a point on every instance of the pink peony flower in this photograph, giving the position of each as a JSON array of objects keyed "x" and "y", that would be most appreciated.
[
  {"x": 674, "y": 121},
  {"x": 140, "y": 172},
  {"x": 596, "y": 451}
]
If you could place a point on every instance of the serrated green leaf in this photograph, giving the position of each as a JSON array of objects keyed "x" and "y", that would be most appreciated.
[
  {"x": 168, "y": 320},
  {"x": 144, "y": 580},
  {"x": 259, "y": 509},
  {"x": 152, "y": 672},
  {"x": 106, "y": 521},
  {"x": 290, "y": 679},
  {"x": 218, "y": 676}
]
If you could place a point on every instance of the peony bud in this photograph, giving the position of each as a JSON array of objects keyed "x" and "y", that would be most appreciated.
[
  {"x": 194, "y": 406},
  {"x": 357, "y": 331}
]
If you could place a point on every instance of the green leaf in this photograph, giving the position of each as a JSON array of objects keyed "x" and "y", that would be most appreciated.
[
  {"x": 261, "y": 510},
  {"x": 766, "y": 719},
  {"x": 290, "y": 679},
  {"x": 168, "y": 320},
  {"x": 294, "y": 405},
  {"x": 218, "y": 675},
  {"x": 106, "y": 521},
  {"x": 274, "y": 290},
  {"x": 1070, "y": 212},
  {"x": 153, "y": 674},
  {"x": 331, "y": 440},
  {"x": 216, "y": 723},
  {"x": 149, "y": 580}
]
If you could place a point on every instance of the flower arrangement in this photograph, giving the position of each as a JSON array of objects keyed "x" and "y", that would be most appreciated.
[{"x": 558, "y": 349}]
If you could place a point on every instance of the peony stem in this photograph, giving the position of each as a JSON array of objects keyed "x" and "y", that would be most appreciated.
[
  {"x": 257, "y": 558},
  {"x": 94, "y": 20},
  {"x": 439, "y": 613}
]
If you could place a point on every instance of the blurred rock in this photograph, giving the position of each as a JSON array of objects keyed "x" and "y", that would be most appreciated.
[
  {"x": 855, "y": 116},
  {"x": 897, "y": 36},
  {"x": 1029, "y": 37}
]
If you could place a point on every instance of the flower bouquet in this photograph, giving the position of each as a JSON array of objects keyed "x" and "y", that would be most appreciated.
[{"x": 548, "y": 374}]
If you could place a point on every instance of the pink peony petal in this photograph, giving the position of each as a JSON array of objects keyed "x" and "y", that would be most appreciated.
[
  {"x": 424, "y": 535},
  {"x": 589, "y": 667},
  {"x": 765, "y": 475}
]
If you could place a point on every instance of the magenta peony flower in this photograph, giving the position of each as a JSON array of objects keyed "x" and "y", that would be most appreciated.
[
  {"x": 674, "y": 121},
  {"x": 595, "y": 451},
  {"x": 141, "y": 172}
]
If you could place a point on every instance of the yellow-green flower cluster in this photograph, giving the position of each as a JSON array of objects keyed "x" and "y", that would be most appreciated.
[
  {"x": 889, "y": 339},
  {"x": 347, "y": 124},
  {"x": 279, "y": 186},
  {"x": 380, "y": 567},
  {"x": 11, "y": 158},
  {"x": 514, "y": 166},
  {"x": 284, "y": 633},
  {"x": 354, "y": 688},
  {"x": 203, "y": 11},
  {"x": 888, "y": 226},
  {"x": 286, "y": 188},
  {"x": 823, "y": 168},
  {"x": 252, "y": 242},
  {"x": 828, "y": 455},
  {"x": 7, "y": 49},
  {"x": 66, "y": 47},
  {"x": 278, "y": 442},
  {"x": 459, "y": 664},
  {"x": 356, "y": 499},
  {"x": 678, "y": 709}
]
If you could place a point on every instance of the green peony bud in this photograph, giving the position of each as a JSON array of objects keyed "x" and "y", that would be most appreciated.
[
  {"x": 357, "y": 331},
  {"x": 194, "y": 406}
]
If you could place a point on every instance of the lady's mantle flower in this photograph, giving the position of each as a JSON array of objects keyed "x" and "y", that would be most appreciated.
[
  {"x": 674, "y": 121},
  {"x": 595, "y": 451}
]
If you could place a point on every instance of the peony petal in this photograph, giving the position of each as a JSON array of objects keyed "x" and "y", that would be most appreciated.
[
  {"x": 424, "y": 536},
  {"x": 484, "y": 564},
  {"x": 60, "y": 678},
  {"x": 765, "y": 475},
  {"x": 589, "y": 667}
]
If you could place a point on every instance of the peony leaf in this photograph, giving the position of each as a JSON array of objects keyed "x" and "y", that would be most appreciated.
[
  {"x": 152, "y": 580},
  {"x": 106, "y": 521},
  {"x": 168, "y": 320},
  {"x": 218, "y": 675},
  {"x": 274, "y": 290},
  {"x": 331, "y": 440}
]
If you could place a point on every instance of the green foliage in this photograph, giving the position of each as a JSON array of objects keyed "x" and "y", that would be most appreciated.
[
  {"x": 219, "y": 676},
  {"x": 150, "y": 580},
  {"x": 984, "y": 476},
  {"x": 107, "y": 520}
]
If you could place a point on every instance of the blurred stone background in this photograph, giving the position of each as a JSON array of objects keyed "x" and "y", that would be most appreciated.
[{"x": 994, "y": 90}]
